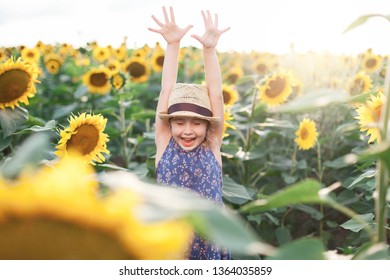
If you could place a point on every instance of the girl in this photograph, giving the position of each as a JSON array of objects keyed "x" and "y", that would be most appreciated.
[{"x": 189, "y": 123}]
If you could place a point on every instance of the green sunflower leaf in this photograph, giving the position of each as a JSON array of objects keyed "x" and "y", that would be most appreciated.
[
  {"x": 361, "y": 20},
  {"x": 11, "y": 120},
  {"x": 312, "y": 100},
  {"x": 303, "y": 192},
  {"x": 303, "y": 249}
]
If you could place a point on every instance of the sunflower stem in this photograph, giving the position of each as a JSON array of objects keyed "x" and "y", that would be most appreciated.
[
  {"x": 294, "y": 160},
  {"x": 320, "y": 176},
  {"x": 124, "y": 132},
  {"x": 249, "y": 131},
  {"x": 383, "y": 176}
]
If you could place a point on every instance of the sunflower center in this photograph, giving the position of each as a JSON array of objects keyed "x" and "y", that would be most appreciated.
[
  {"x": 371, "y": 63},
  {"x": 358, "y": 86},
  {"x": 226, "y": 97},
  {"x": 136, "y": 69},
  {"x": 304, "y": 133},
  {"x": 160, "y": 60},
  {"x": 276, "y": 87},
  {"x": 261, "y": 68},
  {"x": 13, "y": 84},
  {"x": 53, "y": 66},
  {"x": 98, "y": 79},
  {"x": 85, "y": 140},
  {"x": 232, "y": 78},
  {"x": 27, "y": 238}
]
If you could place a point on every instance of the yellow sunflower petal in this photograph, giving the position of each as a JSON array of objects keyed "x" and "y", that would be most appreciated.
[{"x": 306, "y": 134}]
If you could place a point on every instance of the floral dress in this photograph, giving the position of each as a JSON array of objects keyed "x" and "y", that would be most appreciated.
[{"x": 199, "y": 171}]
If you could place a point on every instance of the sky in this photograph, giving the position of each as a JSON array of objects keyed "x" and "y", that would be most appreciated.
[{"x": 274, "y": 26}]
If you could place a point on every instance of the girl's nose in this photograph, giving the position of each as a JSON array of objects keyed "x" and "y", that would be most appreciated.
[{"x": 187, "y": 128}]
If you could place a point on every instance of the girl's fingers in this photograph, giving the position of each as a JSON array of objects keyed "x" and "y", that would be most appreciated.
[
  {"x": 204, "y": 17},
  {"x": 157, "y": 21},
  {"x": 165, "y": 14},
  {"x": 196, "y": 37},
  {"x": 172, "y": 14},
  {"x": 216, "y": 20},
  {"x": 209, "y": 19},
  {"x": 188, "y": 28},
  {"x": 154, "y": 30},
  {"x": 224, "y": 30}
]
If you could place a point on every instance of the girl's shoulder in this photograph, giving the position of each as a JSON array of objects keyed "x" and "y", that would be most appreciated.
[{"x": 161, "y": 144}]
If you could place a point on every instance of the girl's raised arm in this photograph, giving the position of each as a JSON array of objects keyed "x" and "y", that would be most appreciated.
[
  {"x": 209, "y": 41},
  {"x": 172, "y": 35}
]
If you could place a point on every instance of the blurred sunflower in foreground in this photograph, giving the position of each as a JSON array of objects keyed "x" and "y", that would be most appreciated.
[
  {"x": 17, "y": 82},
  {"x": 306, "y": 134},
  {"x": 369, "y": 116},
  {"x": 56, "y": 213},
  {"x": 84, "y": 135}
]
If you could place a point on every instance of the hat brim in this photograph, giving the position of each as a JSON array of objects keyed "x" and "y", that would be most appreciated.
[{"x": 188, "y": 114}]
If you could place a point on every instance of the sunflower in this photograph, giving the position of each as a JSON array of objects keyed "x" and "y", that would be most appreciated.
[
  {"x": 137, "y": 69},
  {"x": 361, "y": 83},
  {"x": 53, "y": 63},
  {"x": 276, "y": 89},
  {"x": 234, "y": 74},
  {"x": 101, "y": 54},
  {"x": 66, "y": 49},
  {"x": 306, "y": 134},
  {"x": 139, "y": 53},
  {"x": 369, "y": 116},
  {"x": 3, "y": 55},
  {"x": 227, "y": 116},
  {"x": 230, "y": 94},
  {"x": 17, "y": 82},
  {"x": 84, "y": 135},
  {"x": 31, "y": 55},
  {"x": 158, "y": 58},
  {"x": 97, "y": 80},
  {"x": 371, "y": 62},
  {"x": 113, "y": 65},
  {"x": 118, "y": 80},
  {"x": 57, "y": 213},
  {"x": 121, "y": 52}
]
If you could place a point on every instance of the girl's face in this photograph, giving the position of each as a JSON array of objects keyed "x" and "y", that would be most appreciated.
[{"x": 189, "y": 133}]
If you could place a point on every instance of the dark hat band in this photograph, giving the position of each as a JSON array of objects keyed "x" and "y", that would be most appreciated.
[{"x": 191, "y": 108}]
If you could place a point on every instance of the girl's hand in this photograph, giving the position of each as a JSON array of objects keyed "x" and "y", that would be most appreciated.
[
  {"x": 170, "y": 31},
  {"x": 211, "y": 35}
]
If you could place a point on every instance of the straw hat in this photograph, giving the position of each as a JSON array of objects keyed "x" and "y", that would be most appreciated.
[{"x": 189, "y": 100}]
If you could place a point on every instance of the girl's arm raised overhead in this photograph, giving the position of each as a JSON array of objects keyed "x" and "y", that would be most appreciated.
[
  {"x": 172, "y": 35},
  {"x": 209, "y": 41}
]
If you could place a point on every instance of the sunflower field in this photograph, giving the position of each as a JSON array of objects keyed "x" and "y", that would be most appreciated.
[{"x": 305, "y": 155}]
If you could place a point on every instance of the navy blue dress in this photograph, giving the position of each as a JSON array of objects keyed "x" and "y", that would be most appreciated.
[{"x": 199, "y": 171}]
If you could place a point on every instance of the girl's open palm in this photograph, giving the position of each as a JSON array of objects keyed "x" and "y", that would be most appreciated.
[
  {"x": 211, "y": 35},
  {"x": 169, "y": 30}
]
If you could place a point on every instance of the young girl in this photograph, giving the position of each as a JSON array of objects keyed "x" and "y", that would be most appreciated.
[{"x": 189, "y": 124}]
